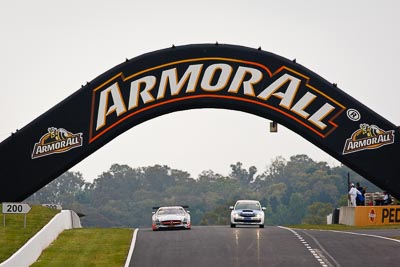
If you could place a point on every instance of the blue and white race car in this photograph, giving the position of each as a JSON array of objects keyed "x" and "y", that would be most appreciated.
[
  {"x": 247, "y": 212},
  {"x": 171, "y": 217}
]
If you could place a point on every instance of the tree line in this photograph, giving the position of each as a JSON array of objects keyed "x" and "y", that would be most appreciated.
[{"x": 295, "y": 191}]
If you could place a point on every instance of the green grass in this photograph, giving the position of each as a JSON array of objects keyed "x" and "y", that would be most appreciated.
[
  {"x": 342, "y": 227},
  {"x": 13, "y": 235},
  {"x": 88, "y": 247},
  {"x": 75, "y": 247}
]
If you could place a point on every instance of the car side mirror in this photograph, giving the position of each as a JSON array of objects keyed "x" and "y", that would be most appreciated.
[
  {"x": 188, "y": 211},
  {"x": 153, "y": 212},
  {"x": 263, "y": 208},
  {"x": 231, "y": 207}
]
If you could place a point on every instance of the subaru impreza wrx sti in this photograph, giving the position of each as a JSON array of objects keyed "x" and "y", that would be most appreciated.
[{"x": 247, "y": 212}]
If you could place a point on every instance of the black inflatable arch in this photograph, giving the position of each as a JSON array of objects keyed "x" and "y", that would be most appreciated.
[{"x": 200, "y": 76}]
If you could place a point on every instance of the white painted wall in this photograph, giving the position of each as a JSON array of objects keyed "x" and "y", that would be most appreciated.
[
  {"x": 30, "y": 252},
  {"x": 329, "y": 218}
]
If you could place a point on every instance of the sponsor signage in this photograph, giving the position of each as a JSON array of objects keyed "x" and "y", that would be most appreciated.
[
  {"x": 372, "y": 215},
  {"x": 56, "y": 140},
  {"x": 285, "y": 91},
  {"x": 368, "y": 137},
  {"x": 200, "y": 76},
  {"x": 391, "y": 215},
  {"x": 376, "y": 215}
]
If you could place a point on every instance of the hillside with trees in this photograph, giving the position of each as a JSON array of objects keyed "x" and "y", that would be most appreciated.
[{"x": 294, "y": 191}]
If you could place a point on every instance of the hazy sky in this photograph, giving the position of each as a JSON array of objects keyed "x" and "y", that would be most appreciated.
[{"x": 50, "y": 48}]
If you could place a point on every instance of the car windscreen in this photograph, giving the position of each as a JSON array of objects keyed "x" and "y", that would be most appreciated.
[
  {"x": 170, "y": 211},
  {"x": 247, "y": 206}
]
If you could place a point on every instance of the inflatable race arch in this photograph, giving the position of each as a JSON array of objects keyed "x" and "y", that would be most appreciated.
[{"x": 193, "y": 77}]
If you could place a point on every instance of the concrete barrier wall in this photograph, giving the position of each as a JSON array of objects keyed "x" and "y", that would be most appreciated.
[
  {"x": 346, "y": 216},
  {"x": 30, "y": 252}
]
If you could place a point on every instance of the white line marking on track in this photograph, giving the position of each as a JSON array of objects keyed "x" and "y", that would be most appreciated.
[
  {"x": 128, "y": 259},
  {"x": 345, "y": 232},
  {"x": 313, "y": 252},
  {"x": 323, "y": 250}
]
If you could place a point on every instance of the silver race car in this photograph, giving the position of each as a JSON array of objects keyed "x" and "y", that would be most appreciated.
[
  {"x": 171, "y": 217},
  {"x": 247, "y": 212}
]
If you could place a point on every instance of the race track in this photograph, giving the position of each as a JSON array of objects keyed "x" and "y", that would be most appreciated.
[{"x": 271, "y": 246}]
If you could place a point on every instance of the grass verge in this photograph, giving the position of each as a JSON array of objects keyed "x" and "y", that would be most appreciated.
[
  {"x": 13, "y": 235},
  {"x": 88, "y": 247},
  {"x": 342, "y": 227}
]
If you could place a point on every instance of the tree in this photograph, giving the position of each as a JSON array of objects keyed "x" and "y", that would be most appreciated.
[
  {"x": 297, "y": 209},
  {"x": 245, "y": 177},
  {"x": 64, "y": 190},
  {"x": 276, "y": 170},
  {"x": 208, "y": 176},
  {"x": 317, "y": 212},
  {"x": 296, "y": 191},
  {"x": 158, "y": 177}
]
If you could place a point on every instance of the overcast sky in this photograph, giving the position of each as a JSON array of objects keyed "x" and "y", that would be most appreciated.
[{"x": 50, "y": 48}]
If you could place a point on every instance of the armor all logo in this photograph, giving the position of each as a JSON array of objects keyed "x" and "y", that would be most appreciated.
[
  {"x": 368, "y": 137},
  {"x": 56, "y": 141}
]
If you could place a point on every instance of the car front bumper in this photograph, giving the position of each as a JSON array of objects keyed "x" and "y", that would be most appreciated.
[
  {"x": 170, "y": 225},
  {"x": 247, "y": 220},
  {"x": 243, "y": 221}
]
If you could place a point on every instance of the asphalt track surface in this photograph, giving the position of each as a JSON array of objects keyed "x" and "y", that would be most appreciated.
[{"x": 272, "y": 246}]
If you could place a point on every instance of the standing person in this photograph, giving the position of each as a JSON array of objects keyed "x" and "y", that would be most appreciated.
[
  {"x": 387, "y": 199},
  {"x": 352, "y": 195},
  {"x": 360, "y": 200}
]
